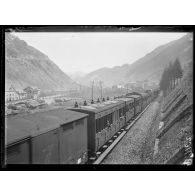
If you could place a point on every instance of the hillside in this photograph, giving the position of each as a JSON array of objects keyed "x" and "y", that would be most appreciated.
[
  {"x": 177, "y": 123},
  {"x": 25, "y": 65},
  {"x": 109, "y": 76},
  {"x": 148, "y": 67},
  {"x": 151, "y": 66}
]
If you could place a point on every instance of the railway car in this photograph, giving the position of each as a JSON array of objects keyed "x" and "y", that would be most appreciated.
[
  {"x": 17, "y": 133},
  {"x": 105, "y": 119},
  {"x": 155, "y": 93},
  {"x": 52, "y": 137},
  {"x": 145, "y": 99},
  {"x": 137, "y": 103},
  {"x": 129, "y": 108},
  {"x": 70, "y": 136}
]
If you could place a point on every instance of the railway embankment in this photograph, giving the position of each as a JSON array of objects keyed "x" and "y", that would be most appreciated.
[
  {"x": 137, "y": 145},
  {"x": 173, "y": 144},
  {"x": 163, "y": 134}
]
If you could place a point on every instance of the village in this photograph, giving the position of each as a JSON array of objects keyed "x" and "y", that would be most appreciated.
[
  {"x": 32, "y": 99},
  {"x": 28, "y": 100}
]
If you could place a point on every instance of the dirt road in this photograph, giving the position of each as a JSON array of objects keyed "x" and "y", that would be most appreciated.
[{"x": 138, "y": 144}]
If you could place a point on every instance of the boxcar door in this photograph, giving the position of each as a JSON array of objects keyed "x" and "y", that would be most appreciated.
[
  {"x": 68, "y": 144},
  {"x": 80, "y": 135},
  {"x": 45, "y": 148}
]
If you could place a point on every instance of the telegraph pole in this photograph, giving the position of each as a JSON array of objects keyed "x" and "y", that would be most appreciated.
[
  {"x": 101, "y": 89},
  {"x": 92, "y": 89}
]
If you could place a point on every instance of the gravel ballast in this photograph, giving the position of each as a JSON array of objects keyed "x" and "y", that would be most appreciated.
[{"x": 137, "y": 146}]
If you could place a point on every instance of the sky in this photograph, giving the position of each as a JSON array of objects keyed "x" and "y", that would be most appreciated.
[{"x": 86, "y": 52}]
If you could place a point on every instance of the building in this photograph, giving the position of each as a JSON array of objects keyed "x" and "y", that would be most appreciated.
[
  {"x": 22, "y": 95},
  {"x": 32, "y": 93},
  {"x": 120, "y": 86},
  {"x": 28, "y": 93},
  {"x": 13, "y": 95}
]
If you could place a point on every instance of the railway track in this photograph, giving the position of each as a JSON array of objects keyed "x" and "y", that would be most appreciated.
[{"x": 109, "y": 146}]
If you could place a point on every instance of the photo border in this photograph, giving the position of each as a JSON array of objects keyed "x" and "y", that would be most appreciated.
[{"x": 82, "y": 28}]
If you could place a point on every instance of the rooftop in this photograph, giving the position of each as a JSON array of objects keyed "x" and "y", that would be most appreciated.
[
  {"x": 21, "y": 127},
  {"x": 98, "y": 107}
]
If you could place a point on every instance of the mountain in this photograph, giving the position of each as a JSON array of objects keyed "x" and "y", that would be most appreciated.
[
  {"x": 26, "y": 66},
  {"x": 149, "y": 67},
  {"x": 109, "y": 76},
  {"x": 76, "y": 76}
]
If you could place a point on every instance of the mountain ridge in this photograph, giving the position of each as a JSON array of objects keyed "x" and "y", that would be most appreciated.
[
  {"x": 27, "y": 66},
  {"x": 152, "y": 63}
]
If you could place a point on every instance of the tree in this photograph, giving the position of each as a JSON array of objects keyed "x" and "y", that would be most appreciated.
[
  {"x": 178, "y": 69},
  {"x": 170, "y": 74},
  {"x": 173, "y": 70},
  {"x": 168, "y": 78},
  {"x": 165, "y": 81}
]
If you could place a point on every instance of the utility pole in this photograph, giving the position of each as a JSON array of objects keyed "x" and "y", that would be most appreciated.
[
  {"x": 92, "y": 89},
  {"x": 101, "y": 89}
]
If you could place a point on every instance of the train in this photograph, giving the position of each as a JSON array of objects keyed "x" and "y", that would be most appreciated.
[{"x": 70, "y": 135}]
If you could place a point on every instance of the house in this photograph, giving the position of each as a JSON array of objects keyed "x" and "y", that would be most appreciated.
[
  {"x": 32, "y": 93},
  {"x": 12, "y": 95},
  {"x": 23, "y": 95},
  {"x": 120, "y": 86}
]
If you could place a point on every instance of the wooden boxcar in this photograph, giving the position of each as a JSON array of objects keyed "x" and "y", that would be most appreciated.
[
  {"x": 137, "y": 103},
  {"x": 155, "y": 93},
  {"x": 17, "y": 136},
  {"x": 145, "y": 99},
  {"x": 51, "y": 137},
  {"x": 105, "y": 119},
  {"x": 129, "y": 108},
  {"x": 72, "y": 136}
]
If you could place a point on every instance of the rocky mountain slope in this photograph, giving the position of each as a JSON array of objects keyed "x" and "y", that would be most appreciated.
[
  {"x": 148, "y": 67},
  {"x": 25, "y": 65},
  {"x": 173, "y": 145}
]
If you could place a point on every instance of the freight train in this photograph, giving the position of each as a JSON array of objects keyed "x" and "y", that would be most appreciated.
[{"x": 70, "y": 136}]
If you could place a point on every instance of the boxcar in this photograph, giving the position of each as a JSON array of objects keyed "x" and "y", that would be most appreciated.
[
  {"x": 129, "y": 108},
  {"x": 17, "y": 134},
  {"x": 155, "y": 93},
  {"x": 44, "y": 138},
  {"x": 137, "y": 103},
  {"x": 149, "y": 92},
  {"x": 72, "y": 136},
  {"x": 145, "y": 99},
  {"x": 50, "y": 137},
  {"x": 105, "y": 119}
]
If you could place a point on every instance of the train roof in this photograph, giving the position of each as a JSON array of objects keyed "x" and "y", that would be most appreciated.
[
  {"x": 99, "y": 107},
  {"x": 143, "y": 94},
  {"x": 17, "y": 129},
  {"x": 126, "y": 99},
  {"x": 135, "y": 96},
  {"x": 24, "y": 126}
]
